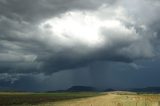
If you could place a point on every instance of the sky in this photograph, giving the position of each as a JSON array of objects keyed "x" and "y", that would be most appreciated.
[{"x": 56, "y": 44}]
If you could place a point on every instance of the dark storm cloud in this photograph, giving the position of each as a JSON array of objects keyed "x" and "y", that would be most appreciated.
[
  {"x": 26, "y": 46},
  {"x": 36, "y": 10}
]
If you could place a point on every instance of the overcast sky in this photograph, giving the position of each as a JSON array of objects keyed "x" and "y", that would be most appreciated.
[{"x": 56, "y": 44}]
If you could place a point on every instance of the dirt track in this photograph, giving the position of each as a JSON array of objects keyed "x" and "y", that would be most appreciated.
[{"x": 114, "y": 100}]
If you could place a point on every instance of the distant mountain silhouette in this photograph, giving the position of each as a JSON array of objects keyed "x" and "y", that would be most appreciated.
[
  {"x": 81, "y": 88},
  {"x": 109, "y": 90},
  {"x": 92, "y": 89},
  {"x": 147, "y": 89}
]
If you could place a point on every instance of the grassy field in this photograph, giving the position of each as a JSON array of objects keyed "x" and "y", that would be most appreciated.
[
  {"x": 114, "y": 99},
  {"x": 79, "y": 99},
  {"x": 28, "y": 99}
]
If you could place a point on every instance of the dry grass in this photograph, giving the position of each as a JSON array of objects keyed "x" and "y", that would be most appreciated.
[
  {"x": 83, "y": 99},
  {"x": 112, "y": 99}
]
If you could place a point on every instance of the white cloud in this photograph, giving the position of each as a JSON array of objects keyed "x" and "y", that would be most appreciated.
[
  {"x": 93, "y": 30},
  {"x": 85, "y": 27}
]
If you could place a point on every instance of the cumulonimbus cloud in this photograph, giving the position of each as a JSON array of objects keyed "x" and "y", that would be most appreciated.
[{"x": 62, "y": 39}]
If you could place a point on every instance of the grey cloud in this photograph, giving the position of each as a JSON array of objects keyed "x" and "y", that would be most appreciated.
[
  {"x": 144, "y": 13},
  {"x": 9, "y": 78},
  {"x": 40, "y": 9},
  {"x": 27, "y": 49}
]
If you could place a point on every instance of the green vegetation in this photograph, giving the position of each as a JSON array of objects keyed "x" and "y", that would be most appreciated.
[
  {"x": 12, "y": 99},
  {"x": 79, "y": 99}
]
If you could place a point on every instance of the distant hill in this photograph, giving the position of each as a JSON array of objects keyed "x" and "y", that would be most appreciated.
[
  {"x": 147, "y": 89},
  {"x": 109, "y": 90},
  {"x": 81, "y": 88}
]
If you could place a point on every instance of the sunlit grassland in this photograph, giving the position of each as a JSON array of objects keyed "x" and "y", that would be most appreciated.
[
  {"x": 112, "y": 99},
  {"x": 79, "y": 99}
]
